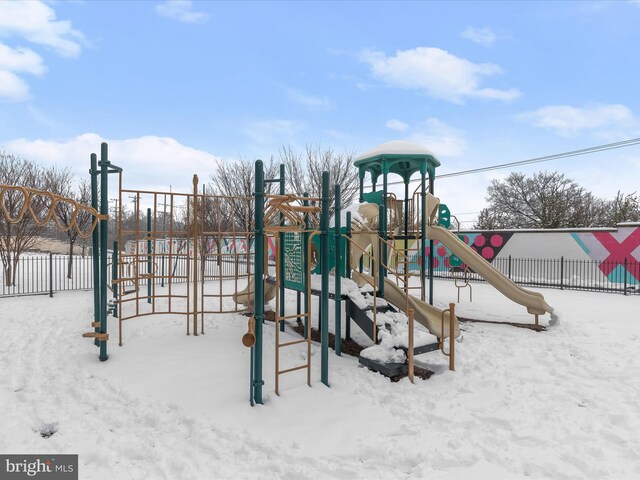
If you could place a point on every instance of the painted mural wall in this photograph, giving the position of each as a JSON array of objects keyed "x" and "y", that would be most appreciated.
[{"x": 615, "y": 251}]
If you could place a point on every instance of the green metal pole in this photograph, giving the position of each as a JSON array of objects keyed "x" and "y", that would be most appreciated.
[
  {"x": 305, "y": 261},
  {"x": 149, "y": 264},
  {"x": 338, "y": 275},
  {"x": 104, "y": 225},
  {"x": 423, "y": 234},
  {"x": 281, "y": 239},
  {"x": 95, "y": 240},
  {"x": 348, "y": 271},
  {"x": 382, "y": 260},
  {"x": 258, "y": 302},
  {"x": 324, "y": 291},
  {"x": 361, "y": 176},
  {"x": 431, "y": 185},
  {"x": 114, "y": 276},
  {"x": 383, "y": 221}
]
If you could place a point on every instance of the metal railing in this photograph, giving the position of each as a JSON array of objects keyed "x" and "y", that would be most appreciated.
[
  {"x": 589, "y": 275},
  {"x": 47, "y": 273}
]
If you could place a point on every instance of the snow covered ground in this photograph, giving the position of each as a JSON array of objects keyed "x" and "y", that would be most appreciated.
[{"x": 557, "y": 404}]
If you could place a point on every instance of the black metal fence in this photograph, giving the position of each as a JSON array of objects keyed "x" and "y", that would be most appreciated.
[
  {"x": 622, "y": 277},
  {"x": 47, "y": 274}
]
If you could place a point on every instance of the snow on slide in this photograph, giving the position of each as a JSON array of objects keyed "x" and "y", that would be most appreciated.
[
  {"x": 534, "y": 301},
  {"x": 426, "y": 315}
]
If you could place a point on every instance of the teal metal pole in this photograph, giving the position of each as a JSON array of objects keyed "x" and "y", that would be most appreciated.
[
  {"x": 305, "y": 261},
  {"x": 149, "y": 264},
  {"x": 337, "y": 276},
  {"x": 348, "y": 271},
  {"x": 281, "y": 239},
  {"x": 382, "y": 259},
  {"x": 324, "y": 291},
  {"x": 95, "y": 240},
  {"x": 383, "y": 221},
  {"x": 104, "y": 226},
  {"x": 431, "y": 185},
  {"x": 423, "y": 235},
  {"x": 258, "y": 303},
  {"x": 114, "y": 276}
]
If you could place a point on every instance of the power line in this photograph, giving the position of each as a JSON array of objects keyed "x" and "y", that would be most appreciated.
[{"x": 546, "y": 158}]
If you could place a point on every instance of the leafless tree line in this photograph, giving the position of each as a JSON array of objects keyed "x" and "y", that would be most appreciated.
[
  {"x": 551, "y": 200},
  {"x": 18, "y": 237},
  {"x": 303, "y": 174}
]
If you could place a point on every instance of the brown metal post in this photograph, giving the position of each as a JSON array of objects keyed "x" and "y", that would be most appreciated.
[
  {"x": 195, "y": 255},
  {"x": 410, "y": 349},
  {"x": 452, "y": 340}
]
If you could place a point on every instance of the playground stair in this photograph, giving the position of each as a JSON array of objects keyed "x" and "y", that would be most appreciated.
[{"x": 361, "y": 317}]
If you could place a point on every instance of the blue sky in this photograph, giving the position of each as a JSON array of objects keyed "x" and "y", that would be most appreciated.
[{"x": 175, "y": 86}]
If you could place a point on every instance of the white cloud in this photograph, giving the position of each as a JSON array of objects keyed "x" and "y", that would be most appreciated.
[
  {"x": 397, "y": 125},
  {"x": 181, "y": 10},
  {"x": 148, "y": 161},
  {"x": 20, "y": 60},
  {"x": 442, "y": 139},
  {"x": 566, "y": 120},
  {"x": 483, "y": 36},
  {"x": 12, "y": 60},
  {"x": 310, "y": 101},
  {"x": 36, "y": 22},
  {"x": 438, "y": 73},
  {"x": 12, "y": 87}
]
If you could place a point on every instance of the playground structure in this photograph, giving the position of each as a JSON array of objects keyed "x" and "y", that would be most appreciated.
[{"x": 195, "y": 254}]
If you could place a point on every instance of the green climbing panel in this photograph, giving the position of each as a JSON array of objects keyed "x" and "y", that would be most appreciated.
[
  {"x": 332, "y": 250},
  {"x": 444, "y": 216},
  {"x": 295, "y": 277}
]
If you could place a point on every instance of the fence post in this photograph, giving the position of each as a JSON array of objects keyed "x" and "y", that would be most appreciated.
[
  {"x": 625, "y": 275},
  {"x": 562, "y": 273},
  {"x": 51, "y": 274},
  {"x": 509, "y": 267}
]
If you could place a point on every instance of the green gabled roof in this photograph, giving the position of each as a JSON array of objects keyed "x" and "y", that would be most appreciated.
[{"x": 400, "y": 157}]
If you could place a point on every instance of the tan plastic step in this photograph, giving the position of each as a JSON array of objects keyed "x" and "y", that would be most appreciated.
[
  {"x": 99, "y": 336},
  {"x": 95, "y": 324}
]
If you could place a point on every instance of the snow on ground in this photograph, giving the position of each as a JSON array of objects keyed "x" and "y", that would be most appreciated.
[{"x": 521, "y": 404}]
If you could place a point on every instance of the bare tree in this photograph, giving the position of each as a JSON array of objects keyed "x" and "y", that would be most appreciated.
[
  {"x": 20, "y": 234},
  {"x": 550, "y": 200},
  {"x": 623, "y": 208},
  {"x": 304, "y": 172},
  {"x": 70, "y": 220},
  {"x": 236, "y": 181}
]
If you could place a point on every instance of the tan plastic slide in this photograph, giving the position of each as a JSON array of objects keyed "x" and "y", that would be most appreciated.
[
  {"x": 246, "y": 296},
  {"x": 426, "y": 315},
  {"x": 534, "y": 301}
]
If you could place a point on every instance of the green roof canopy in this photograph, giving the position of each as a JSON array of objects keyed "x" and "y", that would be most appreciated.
[{"x": 399, "y": 157}]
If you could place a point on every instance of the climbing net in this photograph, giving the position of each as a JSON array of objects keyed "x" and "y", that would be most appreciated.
[{"x": 16, "y": 202}]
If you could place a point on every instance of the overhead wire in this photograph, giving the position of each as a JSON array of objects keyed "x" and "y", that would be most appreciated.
[{"x": 546, "y": 158}]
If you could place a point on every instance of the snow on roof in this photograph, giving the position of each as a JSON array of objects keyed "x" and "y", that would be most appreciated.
[{"x": 396, "y": 147}]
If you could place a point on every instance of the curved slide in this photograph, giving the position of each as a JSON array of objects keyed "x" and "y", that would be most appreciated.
[
  {"x": 534, "y": 301},
  {"x": 246, "y": 296}
]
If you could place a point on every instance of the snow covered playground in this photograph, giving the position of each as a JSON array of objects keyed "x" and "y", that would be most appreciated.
[{"x": 347, "y": 359}]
